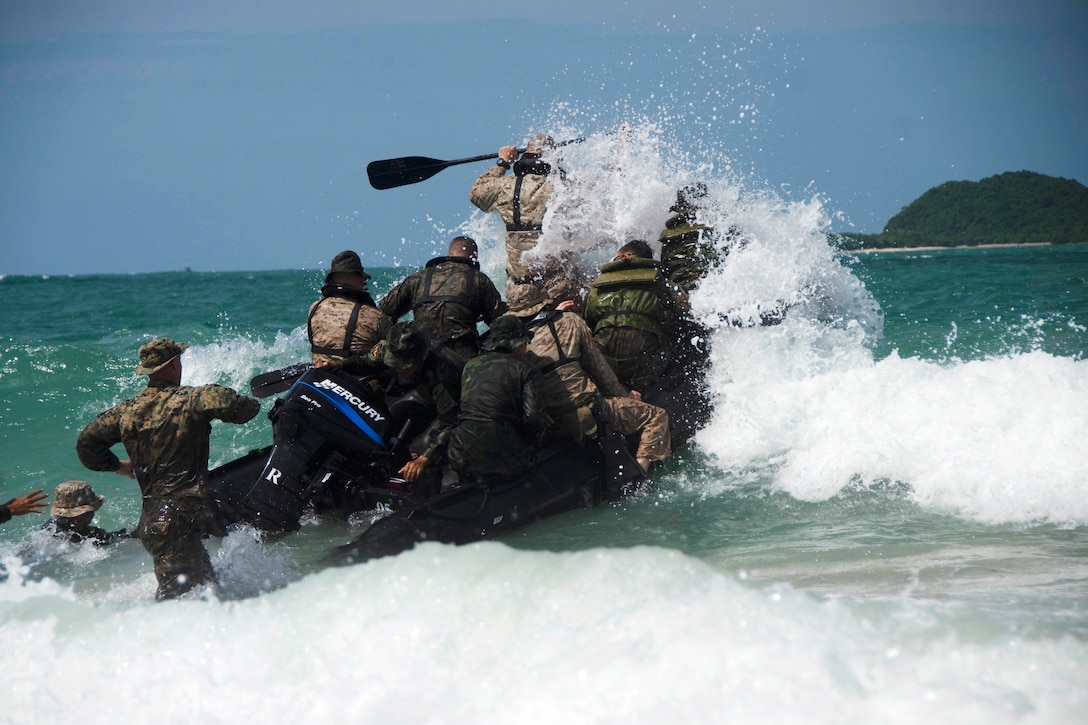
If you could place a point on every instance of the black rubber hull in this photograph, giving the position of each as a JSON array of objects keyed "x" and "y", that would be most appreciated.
[
  {"x": 565, "y": 479},
  {"x": 336, "y": 450}
]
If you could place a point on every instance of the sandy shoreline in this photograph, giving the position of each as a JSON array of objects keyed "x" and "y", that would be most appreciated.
[{"x": 963, "y": 246}]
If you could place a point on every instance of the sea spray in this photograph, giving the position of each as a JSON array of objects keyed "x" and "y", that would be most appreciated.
[{"x": 612, "y": 635}]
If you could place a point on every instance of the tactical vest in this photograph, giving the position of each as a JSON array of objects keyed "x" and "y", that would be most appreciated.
[
  {"x": 361, "y": 297},
  {"x": 547, "y": 317},
  {"x": 626, "y": 294},
  {"x": 464, "y": 295},
  {"x": 518, "y": 225}
]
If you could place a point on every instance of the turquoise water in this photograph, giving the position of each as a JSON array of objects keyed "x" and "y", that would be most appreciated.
[
  {"x": 974, "y": 303},
  {"x": 885, "y": 521}
]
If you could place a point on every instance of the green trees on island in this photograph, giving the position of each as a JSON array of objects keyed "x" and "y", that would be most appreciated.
[{"x": 1011, "y": 208}]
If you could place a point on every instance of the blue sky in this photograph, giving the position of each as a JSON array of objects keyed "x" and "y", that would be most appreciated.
[{"x": 151, "y": 135}]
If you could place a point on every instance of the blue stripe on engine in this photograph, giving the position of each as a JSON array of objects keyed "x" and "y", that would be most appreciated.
[{"x": 350, "y": 412}]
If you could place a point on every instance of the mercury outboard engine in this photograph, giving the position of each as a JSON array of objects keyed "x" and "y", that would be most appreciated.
[{"x": 329, "y": 430}]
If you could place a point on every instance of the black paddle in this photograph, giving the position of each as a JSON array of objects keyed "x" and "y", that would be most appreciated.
[
  {"x": 391, "y": 173},
  {"x": 277, "y": 381}
]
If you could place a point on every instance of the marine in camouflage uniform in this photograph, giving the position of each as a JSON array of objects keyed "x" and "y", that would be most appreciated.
[
  {"x": 629, "y": 310},
  {"x": 688, "y": 247},
  {"x": 502, "y": 418},
  {"x": 433, "y": 372},
  {"x": 74, "y": 507},
  {"x": 165, "y": 430},
  {"x": 345, "y": 323},
  {"x": 447, "y": 298},
  {"x": 578, "y": 379},
  {"x": 522, "y": 200}
]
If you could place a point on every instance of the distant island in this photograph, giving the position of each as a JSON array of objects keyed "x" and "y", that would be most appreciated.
[{"x": 1019, "y": 207}]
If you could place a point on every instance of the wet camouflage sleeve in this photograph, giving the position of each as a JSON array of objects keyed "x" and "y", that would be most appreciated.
[
  {"x": 95, "y": 441},
  {"x": 574, "y": 329},
  {"x": 165, "y": 430},
  {"x": 441, "y": 384},
  {"x": 399, "y": 300},
  {"x": 487, "y": 189}
]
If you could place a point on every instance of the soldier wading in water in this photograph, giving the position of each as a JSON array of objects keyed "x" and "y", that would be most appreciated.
[{"x": 165, "y": 430}]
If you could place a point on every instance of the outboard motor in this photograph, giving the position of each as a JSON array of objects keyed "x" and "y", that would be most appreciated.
[{"x": 327, "y": 429}]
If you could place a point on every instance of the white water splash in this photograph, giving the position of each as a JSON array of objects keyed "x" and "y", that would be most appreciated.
[{"x": 635, "y": 636}]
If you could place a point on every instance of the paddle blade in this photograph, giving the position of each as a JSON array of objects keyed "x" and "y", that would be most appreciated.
[
  {"x": 277, "y": 381},
  {"x": 390, "y": 173}
]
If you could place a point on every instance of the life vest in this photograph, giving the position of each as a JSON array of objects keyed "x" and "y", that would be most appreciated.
[
  {"x": 626, "y": 294},
  {"x": 687, "y": 250}
]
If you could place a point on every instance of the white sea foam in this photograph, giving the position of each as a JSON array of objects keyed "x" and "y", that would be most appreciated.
[
  {"x": 234, "y": 359},
  {"x": 488, "y": 633},
  {"x": 996, "y": 440}
]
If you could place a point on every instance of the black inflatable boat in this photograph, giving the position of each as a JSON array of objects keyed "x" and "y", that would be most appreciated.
[{"x": 337, "y": 446}]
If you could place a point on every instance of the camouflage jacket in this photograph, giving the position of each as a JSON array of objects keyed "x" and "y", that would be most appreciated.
[
  {"x": 502, "y": 416},
  {"x": 522, "y": 202},
  {"x": 438, "y": 383},
  {"x": 446, "y": 298},
  {"x": 65, "y": 529},
  {"x": 344, "y": 323},
  {"x": 563, "y": 344},
  {"x": 165, "y": 430}
]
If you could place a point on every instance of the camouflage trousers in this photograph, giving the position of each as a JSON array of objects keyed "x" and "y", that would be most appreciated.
[
  {"x": 635, "y": 356},
  {"x": 625, "y": 415},
  {"x": 464, "y": 347},
  {"x": 172, "y": 531},
  {"x": 648, "y": 422}
]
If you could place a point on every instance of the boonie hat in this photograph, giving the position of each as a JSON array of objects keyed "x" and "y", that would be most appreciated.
[
  {"x": 158, "y": 353},
  {"x": 405, "y": 346},
  {"x": 509, "y": 333},
  {"x": 73, "y": 498},
  {"x": 526, "y": 300},
  {"x": 539, "y": 143},
  {"x": 347, "y": 262}
]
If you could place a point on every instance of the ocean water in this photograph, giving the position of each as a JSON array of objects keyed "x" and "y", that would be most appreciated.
[{"x": 885, "y": 521}]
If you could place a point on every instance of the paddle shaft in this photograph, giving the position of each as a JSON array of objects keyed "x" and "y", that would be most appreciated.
[{"x": 391, "y": 173}]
